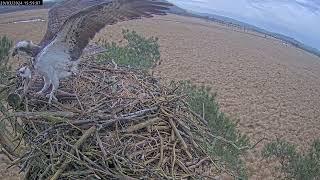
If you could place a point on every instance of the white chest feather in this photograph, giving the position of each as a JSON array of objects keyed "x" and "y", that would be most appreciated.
[{"x": 54, "y": 59}]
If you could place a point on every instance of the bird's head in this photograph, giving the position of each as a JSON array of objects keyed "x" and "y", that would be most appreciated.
[
  {"x": 24, "y": 72},
  {"x": 21, "y": 46}
]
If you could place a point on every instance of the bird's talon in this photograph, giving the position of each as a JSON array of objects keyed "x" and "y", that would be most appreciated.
[
  {"x": 51, "y": 97},
  {"x": 40, "y": 93}
]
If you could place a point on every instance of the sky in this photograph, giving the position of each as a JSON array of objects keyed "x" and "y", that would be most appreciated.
[{"x": 299, "y": 19}]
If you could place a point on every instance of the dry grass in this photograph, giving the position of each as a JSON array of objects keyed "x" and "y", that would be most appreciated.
[
  {"x": 273, "y": 90},
  {"x": 17, "y": 32}
]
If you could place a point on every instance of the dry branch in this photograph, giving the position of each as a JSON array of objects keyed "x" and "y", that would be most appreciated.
[{"x": 83, "y": 138}]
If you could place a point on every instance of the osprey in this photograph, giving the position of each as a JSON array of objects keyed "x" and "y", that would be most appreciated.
[
  {"x": 59, "y": 54},
  {"x": 57, "y": 15}
]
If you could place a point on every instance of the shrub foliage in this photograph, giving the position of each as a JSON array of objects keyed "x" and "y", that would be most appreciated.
[
  {"x": 5, "y": 69},
  {"x": 139, "y": 52},
  {"x": 5, "y": 75},
  {"x": 295, "y": 165},
  {"x": 5, "y": 46},
  {"x": 227, "y": 143}
]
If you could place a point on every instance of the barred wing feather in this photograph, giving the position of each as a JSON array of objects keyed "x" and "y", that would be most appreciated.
[{"x": 81, "y": 27}]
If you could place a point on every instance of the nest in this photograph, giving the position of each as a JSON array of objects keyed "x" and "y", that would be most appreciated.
[{"x": 113, "y": 123}]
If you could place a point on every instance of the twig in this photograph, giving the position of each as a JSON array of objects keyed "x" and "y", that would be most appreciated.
[
  {"x": 204, "y": 121},
  {"x": 203, "y": 112},
  {"x": 229, "y": 142},
  {"x": 46, "y": 171},
  {"x": 5, "y": 152},
  {"x": 185, "y": 147},
  {"x": 141, "y": 125},
  {"x": 83, "y": 138},
  {"x": 173, "y": 159},
  {"x": 183, "y": 167},
  {"x": 142, "y": 112},
  {"x": 161, "y": 151},
  {"x": 37, "y": 115},
  {"x": 101, "y": 145},
  {"x": 80, "y": 104},
  {"x": 7, "y": 145},
  {"x": 199, "y": 163}
]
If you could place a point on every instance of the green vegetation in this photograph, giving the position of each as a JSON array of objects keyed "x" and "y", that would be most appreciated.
[
  {"x": 295, "y": 165},
  {"x": 5, "y": 75},
  {"x": 5, "y": 46},
  {"x": 226, "y": 142},
  {"x": 139, "y": 52},
  {"x": 5, "y": 69}
]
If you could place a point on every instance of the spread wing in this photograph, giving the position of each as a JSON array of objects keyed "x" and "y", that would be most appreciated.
[
  {"x": 92, "y": 49},
  {"x": 81, "y": 27},
  {"x": 60, "y": 12}
]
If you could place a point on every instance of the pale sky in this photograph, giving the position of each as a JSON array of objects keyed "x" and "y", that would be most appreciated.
[{"x": 299, "y": 19}]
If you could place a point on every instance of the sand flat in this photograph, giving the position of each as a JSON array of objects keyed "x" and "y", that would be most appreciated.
[{"x": 273, "y": 90}]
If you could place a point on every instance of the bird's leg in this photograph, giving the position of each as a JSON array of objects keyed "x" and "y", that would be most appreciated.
[
  {"x": 45, "y": 86},
  {"x": 74, "y": 68},
  {"x": 55, "y": 85},
  {"x": 27, "y": 84}
]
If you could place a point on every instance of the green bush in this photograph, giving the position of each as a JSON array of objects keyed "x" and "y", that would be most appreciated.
[
  {"x": 226, "y": 142},
  {"x": 5, "y": 46},
  {"x": 5, "y": 75},
  {"x": 5, "y": 69},
  {"x": 295, "y": 165},
  {"x": 140, "y": 52}
]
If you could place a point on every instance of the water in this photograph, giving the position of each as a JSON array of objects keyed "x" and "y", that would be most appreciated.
[{"x": 28, "y": 21}]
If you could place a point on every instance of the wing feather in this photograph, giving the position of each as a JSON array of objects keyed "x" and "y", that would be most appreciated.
[
  {"x": 60, "y": 12},
  {"x": 81, "y": 27}
]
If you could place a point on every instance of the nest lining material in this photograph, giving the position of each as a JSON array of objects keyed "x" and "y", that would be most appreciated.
[{"x": 120, "y": 124}]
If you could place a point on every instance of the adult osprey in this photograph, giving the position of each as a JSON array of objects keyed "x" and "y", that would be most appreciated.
[
  {"x": 59, "y": 56},
  {"x": 57, "y": 15}
]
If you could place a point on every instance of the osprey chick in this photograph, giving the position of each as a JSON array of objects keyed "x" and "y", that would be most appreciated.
[
  {"x": 60, "y": 57},
  {"x": 25, "y": 73}
]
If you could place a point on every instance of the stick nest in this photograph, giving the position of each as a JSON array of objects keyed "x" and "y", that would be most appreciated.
[{"x": 119, "y": 124}]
